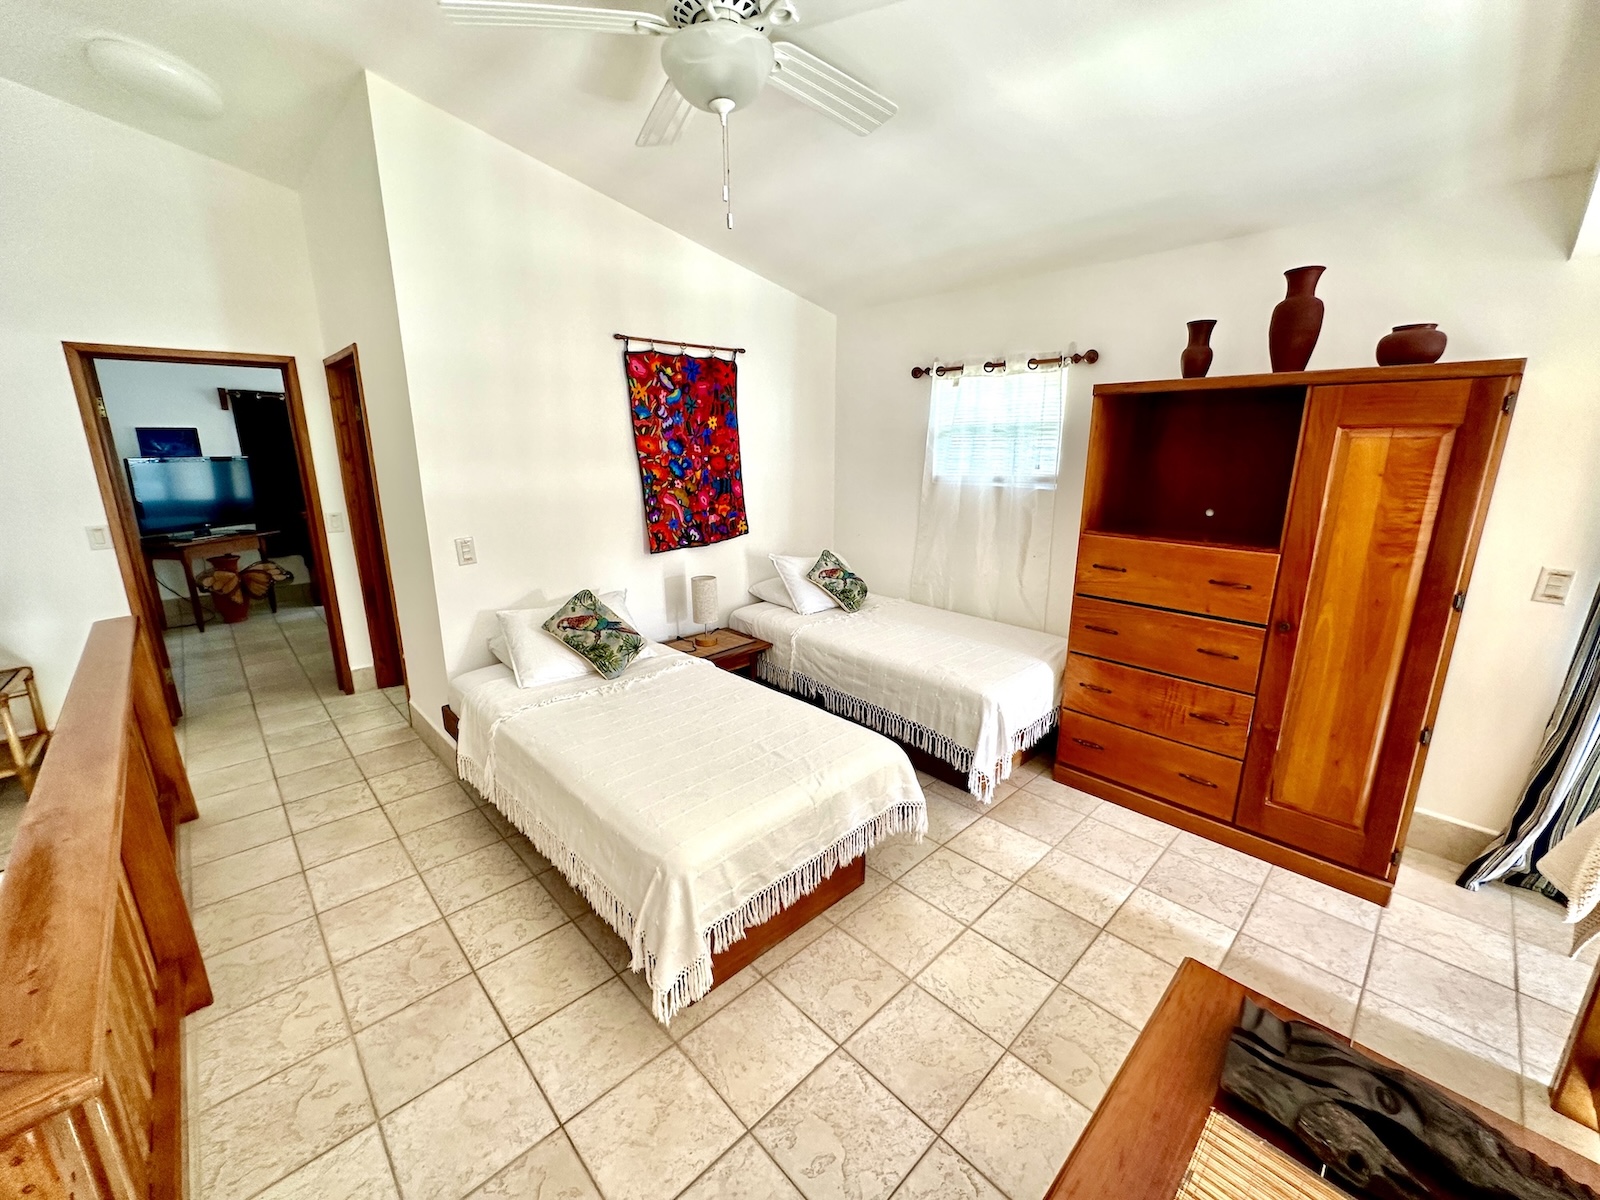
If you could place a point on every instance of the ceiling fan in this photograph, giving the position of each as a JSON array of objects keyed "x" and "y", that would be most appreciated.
[{"x": 718, "y": 55}]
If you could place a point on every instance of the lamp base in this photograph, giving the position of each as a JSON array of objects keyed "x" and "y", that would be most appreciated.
[{"x": 705, "y": 641}]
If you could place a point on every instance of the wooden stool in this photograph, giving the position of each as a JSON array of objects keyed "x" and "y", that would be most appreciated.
[{"x": 25, "y": 750}]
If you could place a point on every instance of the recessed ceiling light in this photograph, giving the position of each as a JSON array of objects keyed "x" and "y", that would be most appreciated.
[{"x": 155, "y": 75}]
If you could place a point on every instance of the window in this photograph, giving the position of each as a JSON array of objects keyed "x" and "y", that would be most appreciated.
[{"x": 1000, "y": 429}]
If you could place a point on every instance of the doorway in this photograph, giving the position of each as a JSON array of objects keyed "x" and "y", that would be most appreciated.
[
  {"x": 350, "y": 427},
  {"x": 130, "y": 541}
]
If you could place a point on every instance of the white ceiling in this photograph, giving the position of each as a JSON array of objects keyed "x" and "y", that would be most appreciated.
[{"x": 1031, "y": 133}]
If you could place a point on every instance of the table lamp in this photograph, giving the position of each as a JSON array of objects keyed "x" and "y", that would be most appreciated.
[{"x": 703, "y": 591}]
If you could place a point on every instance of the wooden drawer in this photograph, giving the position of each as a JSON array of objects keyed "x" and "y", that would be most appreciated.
[
  {"x": 1191, "y": 713},
  {"x": 1197, "y": 779},
  {"x": 1218, "y": 652},
  {"x": 1221, "y": 581}
]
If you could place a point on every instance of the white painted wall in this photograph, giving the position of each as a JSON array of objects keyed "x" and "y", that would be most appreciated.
[
  {"x": 349, "y": 249},
  {"x": 179, "y": 394},
  {"x": 111, "y": 235},
  {"x": 510, "y": 279},
  {"x": 1492, "y": 269}
]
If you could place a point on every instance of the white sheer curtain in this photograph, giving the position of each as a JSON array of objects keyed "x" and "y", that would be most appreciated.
[{"x": 989, "y": 494}]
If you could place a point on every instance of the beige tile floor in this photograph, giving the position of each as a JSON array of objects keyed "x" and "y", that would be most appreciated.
[{"x": 410, "y": 1001}]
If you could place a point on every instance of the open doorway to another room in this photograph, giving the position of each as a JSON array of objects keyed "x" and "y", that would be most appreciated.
[{"x": 205, "y": 469}]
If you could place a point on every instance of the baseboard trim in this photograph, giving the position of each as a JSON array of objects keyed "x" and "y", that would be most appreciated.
[
  {"x": 1451, "y": 839},
  {"x": 435, "y": 737}
]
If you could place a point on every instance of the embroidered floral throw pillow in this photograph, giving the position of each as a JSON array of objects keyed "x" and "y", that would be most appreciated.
[
  {"x": 590, "y": 629},
  {"x": 847, "y": 588}
]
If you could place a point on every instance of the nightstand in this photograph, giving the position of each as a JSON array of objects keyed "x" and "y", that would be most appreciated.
[{"x": 734, "y": 651}]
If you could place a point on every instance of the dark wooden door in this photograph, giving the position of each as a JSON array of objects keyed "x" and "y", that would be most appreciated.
[
  {"x": 1390, "y": 480},
  {"x": 366, "y": 515}
]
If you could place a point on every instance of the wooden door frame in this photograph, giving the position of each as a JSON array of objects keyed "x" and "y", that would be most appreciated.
[
  {"x": 349, "y": 359},
  {"x": 118, "y": 501}
]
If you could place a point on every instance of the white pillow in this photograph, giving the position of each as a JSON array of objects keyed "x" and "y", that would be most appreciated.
[
  {"x": 772, "y": 591},
  {"x": 805, "y": 597},
  {"x": 498, "y": 648},
  {"x": 535, "y": 657}
]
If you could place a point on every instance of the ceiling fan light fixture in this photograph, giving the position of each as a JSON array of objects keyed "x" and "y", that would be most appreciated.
[
  {"x": 155, "y": 75},
  {"x": 718, "y": 60}
]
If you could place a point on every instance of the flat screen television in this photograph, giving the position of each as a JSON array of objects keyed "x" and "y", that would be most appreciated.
[{"x": 190, "y": 495}]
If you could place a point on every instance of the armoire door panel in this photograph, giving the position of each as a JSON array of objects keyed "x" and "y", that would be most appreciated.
[
  {"x": 1373, "y": 544},
  {"x": 1379, "y": 510}
]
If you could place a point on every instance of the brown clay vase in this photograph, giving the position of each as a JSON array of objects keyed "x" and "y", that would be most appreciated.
[
  {"x": 1297, "y": 321},
  {"x": 1410, "y": 344},
  {"x": 1196, "y": 360}
]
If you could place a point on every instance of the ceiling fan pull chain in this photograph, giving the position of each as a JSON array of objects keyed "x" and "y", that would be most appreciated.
[{"x": 722, "y": 108}]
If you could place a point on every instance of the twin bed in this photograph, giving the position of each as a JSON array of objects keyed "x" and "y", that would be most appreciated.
[{"x": 704, "y": 817}]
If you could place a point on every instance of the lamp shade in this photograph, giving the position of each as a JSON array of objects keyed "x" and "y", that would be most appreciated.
[{"x": 703, "y": 594}]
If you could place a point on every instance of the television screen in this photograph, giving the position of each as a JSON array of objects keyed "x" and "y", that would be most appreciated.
[
  {"x": 164, "y": 442},
  {"x": 188, "y": 495}
]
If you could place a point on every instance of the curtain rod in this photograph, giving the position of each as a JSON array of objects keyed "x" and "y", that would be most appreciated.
[
  {"x": 678, "y": 342},
  {"x": 1088, "y": 356}
]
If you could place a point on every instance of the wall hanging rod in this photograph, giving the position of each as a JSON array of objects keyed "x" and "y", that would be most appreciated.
[
  {"x": 943, "y": 369},
  {"x": 678, "y": 342}
]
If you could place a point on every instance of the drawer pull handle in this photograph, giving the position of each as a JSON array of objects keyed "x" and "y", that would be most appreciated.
[
  {"x": 1102, "y": 629},
  {"x": 1196, "y": 779},
  {"x": 1230, "y": 583},
  {"x": 1208, "y": 718},
  {"x": 1216, "y": 653},
  {"x": 1095, "y": 687},
  {"x": 1089, "y": 744},
  {"x": 1105, "y": 567}
]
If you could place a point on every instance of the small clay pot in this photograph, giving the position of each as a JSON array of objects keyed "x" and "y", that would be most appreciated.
[
  {"x": 1197, "y": 355},
  {"x": 1409, "y": 344},
  {"x": 1296, "y": 321}
]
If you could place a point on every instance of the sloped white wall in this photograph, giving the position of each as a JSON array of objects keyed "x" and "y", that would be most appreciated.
[
  {"x": 349, "y": 249},
  {"x": 510, "y": 280},
  {"x": 1491, "y": 268},
  {"x": 111, "y": 235}
]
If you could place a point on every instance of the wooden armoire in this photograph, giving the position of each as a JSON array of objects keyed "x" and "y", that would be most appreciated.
[{"x": 1270, "y": 574}]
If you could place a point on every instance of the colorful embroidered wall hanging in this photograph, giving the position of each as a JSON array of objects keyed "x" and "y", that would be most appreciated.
[{"x": 686, "y": 431}]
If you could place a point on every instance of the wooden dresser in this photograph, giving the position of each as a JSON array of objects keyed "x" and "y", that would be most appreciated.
[{"x": 1270, "y": 574}]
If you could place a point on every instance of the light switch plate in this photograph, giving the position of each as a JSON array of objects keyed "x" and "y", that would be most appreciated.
[
  {"x": 466, "y": 552},
  {"x": 99, "y": 537},
  {"x": 1555, "y": 585},
  {"x": 336, "y": 522}
]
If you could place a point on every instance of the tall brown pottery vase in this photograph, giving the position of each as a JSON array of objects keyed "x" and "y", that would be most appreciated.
[
  {"x": 1196, "y": 360},
  {"x": 1297, "y": 321}
]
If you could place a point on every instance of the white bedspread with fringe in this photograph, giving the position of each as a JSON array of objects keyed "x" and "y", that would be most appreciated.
[
  {"x": 683, "y": 803},
  {"x": 969, "y": 691}
]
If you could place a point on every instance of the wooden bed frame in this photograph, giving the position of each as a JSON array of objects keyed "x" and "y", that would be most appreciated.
[{"x": 760, "y": 938}]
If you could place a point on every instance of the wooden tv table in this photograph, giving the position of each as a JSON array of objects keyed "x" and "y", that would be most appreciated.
[
  {"x": 193, "y": 550},
  {"x": 1139, "y": 1142}
]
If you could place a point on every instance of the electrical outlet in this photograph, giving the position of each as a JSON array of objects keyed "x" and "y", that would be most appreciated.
[
  {"x": 335, "y": 522},
  {"x": 1554, "y": 586},
  {"x": 466, "y": 552},
  {"x": 99, "y": 537}
]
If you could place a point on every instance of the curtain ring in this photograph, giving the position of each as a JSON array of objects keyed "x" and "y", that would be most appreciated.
[{"x": 1033, "y": 364}]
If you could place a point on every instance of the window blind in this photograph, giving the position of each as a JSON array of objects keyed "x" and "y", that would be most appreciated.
[{"x": 1001, "y": 429}]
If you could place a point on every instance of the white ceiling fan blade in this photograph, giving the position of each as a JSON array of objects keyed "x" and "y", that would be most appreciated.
[
  {"x": 552, "y": 16},
  {"x": 829, "y": 90},
  {"x": 667, "y": 118},
  {"x": 811, "y": 13}
]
